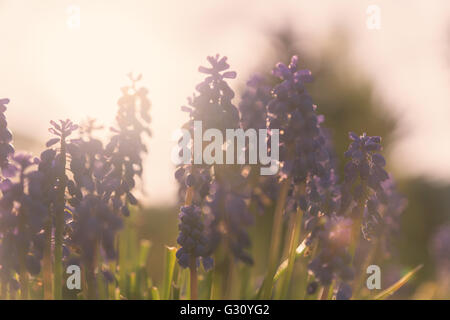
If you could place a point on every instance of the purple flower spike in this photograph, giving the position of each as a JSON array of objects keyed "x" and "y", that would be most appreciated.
[
  {"x": 192, "y": 238},
  {"x": 214, "y": 184},
  {"x": 6, "y": 149},
  {"x": 253, "y": 103}
]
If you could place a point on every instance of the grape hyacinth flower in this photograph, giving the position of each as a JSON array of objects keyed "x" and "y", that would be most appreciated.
[
  {"x": 332, "y": 261},
  {"x": 58, "y": 159},
  {"x": 252, "y": 108},
  {"x": 328, "y": 231},
  {"x": 253, "y": 115},
  {"x": 382, "y": 217},
  {"x": 303, "y": 150},
  {"x": 6, "y": 149},
  {"x": 22, "y": 217},
  {"x": 215, "y": 97},
  {"x": 126, "y": 146},
  {"x": 103, "y": 180},
  {"x": 67, "y": 206},
  {"x": 362, "y": 189},
  {"x": 95, "y": 227},
  {"x": 93, "y": 224},
  {"x": 292, "y": 112},
  {"x": 368, "y": 196},
  {"x": 45, "y": 180},
  {"x": 228, "y": 220},
  {"x": 192, "y": 239},
  {"x": 211, "y": 186},
  {"x": 365, "y": 171},
  {"x": 214, "y": 108}
]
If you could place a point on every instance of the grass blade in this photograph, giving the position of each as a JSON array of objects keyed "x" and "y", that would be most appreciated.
[
  {"x": 400, "y": 283},
  {"x": 293, "y": 241},
  {"x": 144, "y": 249},
  {"x": 169, "y": 264},
  {"x": 284, "y": 265},
  {"x": 267, "y": 286},
  {"x": 155, "y": 294}
]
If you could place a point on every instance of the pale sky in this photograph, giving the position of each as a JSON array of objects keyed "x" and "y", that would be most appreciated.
[{"x": 51, "y": 68}]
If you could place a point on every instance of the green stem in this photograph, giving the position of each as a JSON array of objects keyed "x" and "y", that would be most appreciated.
[
  {"x": 221, "y": 274},
  {"x": 155, "y": 294},
  {"x": 23, "y": 275},
  {"x": 295, "y": 236},
  {"x": 58, "y": 257},
  {"x": 169, "y": 267},
  {"x": 355, "y": 235},
  {"x": 193, "y": 263},
  {"x": 216, "y": 286},
  {"x": 47, "y": 260},
  {"x": 91, "y": 281},
  {"x": 356, "y": 228},
  {"x": 193, "y": 280},
  {"x": 4, "y": 289},
  {"x": 361, "y": 274},
  {"x": 275, "y": 239},
  {"x": 309, "y": 277},
  {"x": 245, "y": 282},
  {"x": 23, "y": 250},
  {"x": 59, "y": 222}
]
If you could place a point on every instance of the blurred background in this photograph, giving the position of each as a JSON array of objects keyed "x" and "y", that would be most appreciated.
[{"x": 382, "y": 67}]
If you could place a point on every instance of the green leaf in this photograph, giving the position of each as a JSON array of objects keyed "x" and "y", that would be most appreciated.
[
  {"x": 176, "y": 292},
  {"x": 283, "y": 266},
  {"x": 400, "y": 283},
  {"x": 133, "y": 285},
  {"x": 155, "y": 294},
  {"x": 293, "y": 241},
  {"x": 169, "y": 265},
  {"x": 143, "y": 252}
]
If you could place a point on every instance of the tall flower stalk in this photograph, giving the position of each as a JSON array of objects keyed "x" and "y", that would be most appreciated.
[
  {"x": 62, "y": 130},
  {"x": 21, "y": 215},
  {"x": 46, "y": 184},
  {"x": 216, "y": 189},
  {"x": 291, "y": 110},
  {"x": 6, "y": 148},
  {"x": 103, "y": 180},
  {"x": 362, "y": 188},
  {"x": 70, "y": 201},
  {"x": 19, "y": 223},
  {"x": 67, "y": 206}
]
